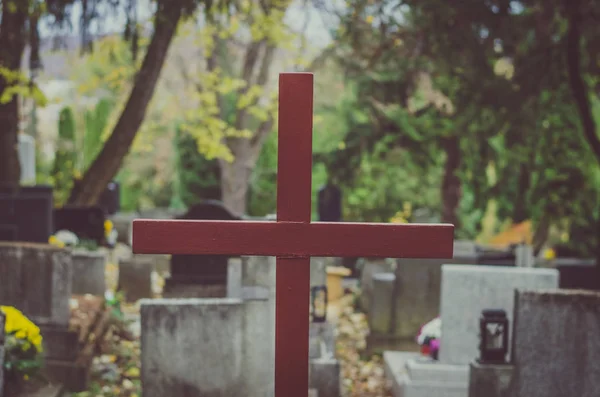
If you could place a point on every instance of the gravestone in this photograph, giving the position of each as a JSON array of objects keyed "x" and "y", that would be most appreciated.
[
  {"x": 135, "y": 277},
  {"x": 36, "y": 279},
  {"x": 556, "y": 345},
  {"x": 371, "y": 267},
  {"x": 89, "y": 272},
  {"x": 192, "y": 347},
  {"x": 466, "y": 291},
  {"x": 110, "y": 200},
  {"x": 27, "y": 158},
  {"x": 524, "y": 256},
  {"x": 330, "y": 203},
  {"x": 415, "y": 298},
  {"x": 380, "y": 320},
  {"x": 200, "y": 275},
  {"x": 244, "y": 324},
  {"x": 2, "y": 336},
  {"x": 578, "y": 273},
  {"x": 26, "y": 214},
  {"x": 293, "y": 239},
  {"x": 86, "y": 222}
]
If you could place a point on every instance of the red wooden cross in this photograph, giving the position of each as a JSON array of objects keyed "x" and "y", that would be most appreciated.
[{"x": 293, "y": 239}]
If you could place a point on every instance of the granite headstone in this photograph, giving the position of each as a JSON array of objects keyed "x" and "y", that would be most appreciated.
[
  {"x": 555, "y": 343},
  {"x": 467, "y": 290},
  {"x": 209, "y": 271},
  {"x": 36, "y": 279}
]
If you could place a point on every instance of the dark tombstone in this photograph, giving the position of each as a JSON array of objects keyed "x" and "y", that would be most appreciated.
[
  {"x": 330, "y": 203},
  {"x": 110, "y": 199},
  {"x": 86, "y": 222},
  {"x": 26, "y": 214},
  {"x": 490, "y": 257},
  {"x": 578, "y": 273},
  {"x": 200, "y": 270}
]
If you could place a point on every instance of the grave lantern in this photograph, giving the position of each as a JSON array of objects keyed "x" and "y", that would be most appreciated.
[
  {"x": 493, "y": 325},
  {"x": 319, "y": 303}
]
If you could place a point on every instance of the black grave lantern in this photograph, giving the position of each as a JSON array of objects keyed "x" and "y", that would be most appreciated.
[
  {"x": 493, "y": 328},
  {"x": 319, "y": 303}
]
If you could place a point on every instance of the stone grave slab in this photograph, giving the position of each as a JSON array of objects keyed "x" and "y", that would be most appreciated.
[
  {"x": 26, "y": 214},
  {"x": 466, "y": 291},
  {"x": 68, "y": 352},
  {"x": 89, "y": 272},
  {"x": 177, "y": 333},
  {"x": 36, "y": 279},
  {"x": 487, "y": 380},
  {"x": 415, "y": 299},
  {"x": 86, "y": 222},
  {"x": 200, "y": 275},
  {"x": 135, "y": 277},
  {"x": 27, "y": 158},
  {"x": 371, "y": 267},
  {"x": 556, "y": 343},
  {"x": 324, "y": 376}
]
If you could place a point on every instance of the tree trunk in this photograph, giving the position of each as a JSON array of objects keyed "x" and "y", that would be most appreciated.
[
  {"x": 235, "y": 175},
  {"x": 12, "y": 45},
  {"x": 109, "y": 160},
  {"x": 579, "y": 90},
  {"x": 451, "y": 186}
]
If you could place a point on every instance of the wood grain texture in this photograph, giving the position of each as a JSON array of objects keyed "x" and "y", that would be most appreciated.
[
  {"x": 294, "y": 178},
  {"x": 294, "y": 152},
  {"x": 291, "y": 326},
  {"x": 286, "y": 239}
]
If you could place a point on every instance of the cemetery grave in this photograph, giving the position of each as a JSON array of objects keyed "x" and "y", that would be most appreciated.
[{"x": 293, "y": 239}]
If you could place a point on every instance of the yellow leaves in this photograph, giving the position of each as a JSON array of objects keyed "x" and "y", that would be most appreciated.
[
  {"x": 271, "y": 27},
  {"x": 249, "y": 97},
  {"x": 369, "y": 19},
  {"x": 20, "y": 85},
  {"x": 133, "y": 372}
]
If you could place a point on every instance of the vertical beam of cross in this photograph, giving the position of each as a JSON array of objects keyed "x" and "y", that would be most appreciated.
[{"x": 294, "y": 178}]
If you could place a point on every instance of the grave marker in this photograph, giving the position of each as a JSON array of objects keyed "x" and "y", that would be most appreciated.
[{"x": 293, "y": 238}]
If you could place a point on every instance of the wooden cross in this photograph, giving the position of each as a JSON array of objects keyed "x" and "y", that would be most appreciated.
[{"x": 293, "y": 239}]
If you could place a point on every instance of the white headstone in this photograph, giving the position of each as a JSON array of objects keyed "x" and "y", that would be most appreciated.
[
  {"x": 524, "y": 256},
  {"x": 467, "y": 290},
  {"x": 27, "y": 158}
]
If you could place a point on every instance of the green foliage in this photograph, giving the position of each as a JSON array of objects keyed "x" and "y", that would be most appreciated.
[
  {"x": 263, "y": 183},
  {"x": 65, "y": 161},
  {"x": 196, "y": 178},
  {"x": 96, "y": 122}
]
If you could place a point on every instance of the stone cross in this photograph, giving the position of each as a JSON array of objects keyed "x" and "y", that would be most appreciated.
[{"x": 293, "y": 239}]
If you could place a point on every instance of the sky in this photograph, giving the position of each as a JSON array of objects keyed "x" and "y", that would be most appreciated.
[{"x": 296, "y": 18}]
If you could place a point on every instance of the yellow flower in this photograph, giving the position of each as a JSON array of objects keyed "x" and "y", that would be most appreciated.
[
  {"x": 108, "y": 227},
  {"x": 370, "y": 19},
  {"x": 19, "y": 325},
  {"x": 55, "y": 242},
  {"x": 549, "y": 254}
]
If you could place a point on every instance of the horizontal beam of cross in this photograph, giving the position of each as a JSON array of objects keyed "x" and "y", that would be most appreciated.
[{"x": 293, "y": 239}]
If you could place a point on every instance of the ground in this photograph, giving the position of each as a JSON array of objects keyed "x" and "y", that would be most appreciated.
[{"x": 116, "y": 372}]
